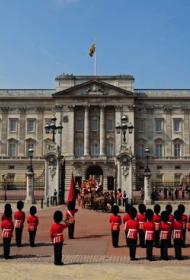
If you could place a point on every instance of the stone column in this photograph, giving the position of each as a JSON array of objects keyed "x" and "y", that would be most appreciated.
[
  {"x": 86, "y": 131},
  {"x": 102, "y": 132},
  {"x": 30, "y": 187},
  {"x": 147, "y": 198},
  {"x": 22, "y": 132},
  {"x": 4, "y": 130}
]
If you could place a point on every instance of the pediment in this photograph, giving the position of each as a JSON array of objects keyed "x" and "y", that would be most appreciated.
[{"x": 94, "y": 88}]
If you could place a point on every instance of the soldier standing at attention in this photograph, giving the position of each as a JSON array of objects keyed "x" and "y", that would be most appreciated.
[
  {"x": 70, "y": 218},
  {"x": 165, "y": 230},
  {"x": 19, "y": 217},
  {"x": 132, "y": 233},
  {"x": 141, "y": 218},
  {"x": 33, "y": 222},
  {"x": 157, "y": 220},
  {"x": 115, "y": 221},
  {"x": 149, "y": 229},
  {"x": 181, "y": 208},
  {"x": 7, "y": 230},
  {"x": 177, "y": 227},
  {"x": 56, "y": 233},
  {"x": 169, "y": 210}
]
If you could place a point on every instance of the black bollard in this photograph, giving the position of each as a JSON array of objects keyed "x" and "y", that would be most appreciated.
[
  {"x": 48, "y": 201},
  {"x": 42, "y": 203}
]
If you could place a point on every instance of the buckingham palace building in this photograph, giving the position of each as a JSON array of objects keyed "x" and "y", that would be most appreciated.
[{"x": 89, "y": 109}]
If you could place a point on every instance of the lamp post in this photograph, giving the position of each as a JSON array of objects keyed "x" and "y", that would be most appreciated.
[
  {"x": 124, "y": 126},
  {"x": 30, "y": 155},
  {"x": 147, "y": 175},
  {"x": 4, "y": 179},
  {"x": 30, "y": 179},
  {"x": 52, "y": 128}
]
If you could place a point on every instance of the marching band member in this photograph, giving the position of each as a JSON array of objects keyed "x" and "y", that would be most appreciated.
[
  {"x": 141, "y": 218},
  {"x": 70, "y": 217},
  {"x": 19, "y": 217},
  {"x": 33, "y": 222},
  {"x": 132, "y": 227},
  {"x": 157, "y": 220},
  {"x": 177, "y": 227},
  {"x": 7, "y": 230},
  {"x": 165, "y": 230},
  {"x": 149, "y": 229},
  {"x": 181, "y": 208},
  {"x": 115, "y": 221},
  {"x": 56, "y": 234}
]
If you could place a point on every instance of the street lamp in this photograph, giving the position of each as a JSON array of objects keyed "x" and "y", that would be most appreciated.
[
  {"x": 124, "y": 126},
  {"x": 147, "y": 172},
  {"x": 52, "y": 128},
  {"x": 30, "y": 154}
]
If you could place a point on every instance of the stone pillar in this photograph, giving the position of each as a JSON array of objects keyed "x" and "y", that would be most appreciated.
[
  {"x": 86, "y": 131},
  {"x": 30, "y": 187},
  {"x": 5, "y": 128},
  {"x": 147, "y": 183},
  {"x": 22, "y": 134},
  {"x": 102, "y": 131}
]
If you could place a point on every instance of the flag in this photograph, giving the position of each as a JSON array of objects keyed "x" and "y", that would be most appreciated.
[
  {"x": 92, "y": 50},
  {"x": 72, "y": 191}
]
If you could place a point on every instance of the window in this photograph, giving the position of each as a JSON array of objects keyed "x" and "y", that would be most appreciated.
[
  {"x": 177, "y": 178},
  {"x": 47, "y": 121},
  {"x": 79, "y": 149},
  {"x": 94, "y": 124},
  {"x": 31, "y": 125},
  {"x": 110, "y": 125},
  {"x": 79, "y": 124},
  {"x": 158, "y": 125},
  {"x": 110, "y": 149},
  {"x": 177, "y": 125},
  {"x": 158, "y": 150},
  {"x": 177, "y": 150},
  {"x": 94, "y": 149},
  {"x": 140, "y": 125},
  {"x": 13, "y": 123},
  {"x": 141, "y": 148},
  {"x": 12, "y": 152},
  {"x": 159, "y": 178}
]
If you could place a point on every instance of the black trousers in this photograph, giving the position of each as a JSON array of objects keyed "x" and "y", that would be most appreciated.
[
  {"x": 132, "y": 244},
  {"x": 126, "y": 233},
  {"x": 157, "y": 238},
  {"x": 149, "y": 249},
  {"x": 115, "y": 238},
  {"x": 164, "y": 249},
  {"x": 177, "y": 247},
  {"x": 6, "y": 247},
  {"x": 141, "y": 238},
  {"x": 58, "y": 253},
  {"x": 71, "y": 228},
  {"x": 32, "y": 235},
  {"x": 18, "y": 235},
  {"x": 184, "y": 237}
]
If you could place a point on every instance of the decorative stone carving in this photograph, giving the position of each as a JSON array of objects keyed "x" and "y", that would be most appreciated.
[{"x": 95, "y": 89}]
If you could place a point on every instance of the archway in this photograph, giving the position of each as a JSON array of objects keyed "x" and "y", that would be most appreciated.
[{"x": 94, "y": 171}]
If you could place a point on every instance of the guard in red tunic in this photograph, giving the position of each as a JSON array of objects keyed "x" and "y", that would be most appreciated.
[
  {"x": 169, "y": 210},
  {"x": 181, "y": 208},
  {"x": 56, "y": 234},
  {"x": 165, "y": 230},
  {"x": 115, "y": 221},
  {"x": 19, "y": 217},
  {"x": 33, "y": 222},
  {"x": 141, "y": 218},
  {"x": 149, "y": 229},
  {"x": 157, "y": 220},
  {"x": 126, "y": 218},
  {"x": 177, "y": 227},
  {"x": 7, "y": 230},
  {"x": 70, "y": 217},
  {"x": 132, "y": 228}
]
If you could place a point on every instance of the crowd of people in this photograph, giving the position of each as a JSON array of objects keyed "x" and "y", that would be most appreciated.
[{"x": 151, "y": 229}]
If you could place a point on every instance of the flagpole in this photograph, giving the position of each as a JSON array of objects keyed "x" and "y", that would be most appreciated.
[{"x": 95, "y": 65}]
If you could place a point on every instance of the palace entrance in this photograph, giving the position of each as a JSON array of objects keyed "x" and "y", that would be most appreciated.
[{"x": 95, "y": 172}]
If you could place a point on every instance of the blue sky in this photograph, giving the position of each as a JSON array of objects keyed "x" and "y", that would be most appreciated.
[{"x": 40, "y": 39}]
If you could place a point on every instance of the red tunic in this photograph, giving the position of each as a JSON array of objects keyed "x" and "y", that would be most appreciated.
[
  {"x": 141, "y": 218},
  {"x": 19, "y": 217},
  {"x": 149, "y": 228},
  {"x": 126, "y": 218},
  {"x": 177, "y": 227},
  {"x": 132, "y": 227},
  {"x": 165, "y": 230},
  {"x": 70, "y": 215},
  {"x": 170, "y": 219},
  {"x": 157, "y": 220},
  {"x": 32, "y": 223},
  {"x": 115, "y": 221},
  {"x": 56, "y": 233},
  {"x": 7, "y": 227},
  {"x": 184, "y": 221}
]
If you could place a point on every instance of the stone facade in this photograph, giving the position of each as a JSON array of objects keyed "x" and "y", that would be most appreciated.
[{"x": 89, "y": 108}]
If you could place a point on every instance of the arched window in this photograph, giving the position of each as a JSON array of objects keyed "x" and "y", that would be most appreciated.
[{"x": 177, "y": 148}]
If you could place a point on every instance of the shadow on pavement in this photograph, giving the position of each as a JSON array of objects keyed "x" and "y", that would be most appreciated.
[{"x": 91, "y": 236}]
